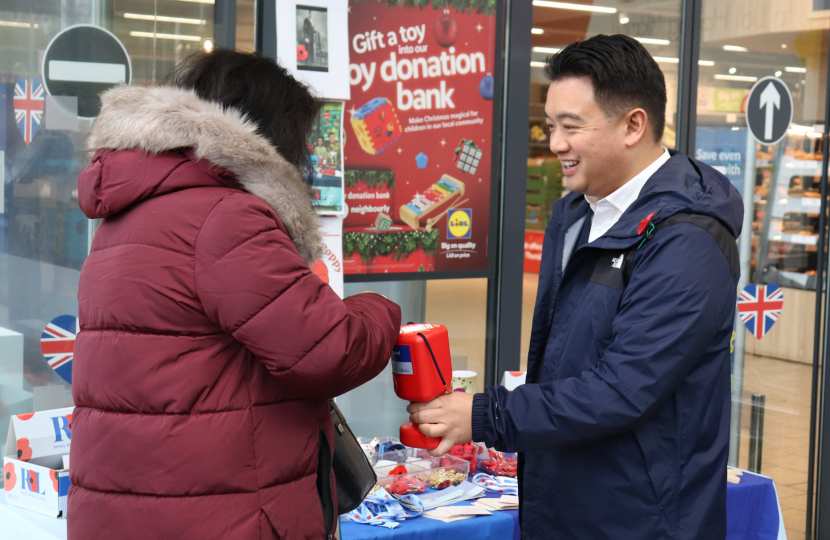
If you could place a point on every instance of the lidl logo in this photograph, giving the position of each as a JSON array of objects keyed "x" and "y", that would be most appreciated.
[{"x": 460, "y": 223}]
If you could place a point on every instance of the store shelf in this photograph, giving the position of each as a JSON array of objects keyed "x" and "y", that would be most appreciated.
[
  {"x": 800, "y": 205},
  {"x": 804, "y": 239},
  {"x": 784, "y": 278},
  {"x": 791, "y": 165},
  {"x": 786, "y": 220},
  {"x": 537, "y": 110}
]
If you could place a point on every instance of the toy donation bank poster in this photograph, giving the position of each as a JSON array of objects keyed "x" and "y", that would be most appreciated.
[{"x": 418, "y": 136}]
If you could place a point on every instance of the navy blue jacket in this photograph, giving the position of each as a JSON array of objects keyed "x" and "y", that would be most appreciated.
[{"x": 623, "y": 424}]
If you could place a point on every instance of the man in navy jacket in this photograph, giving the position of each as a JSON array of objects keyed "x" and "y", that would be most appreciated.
[{"x": 623, "y": 424}]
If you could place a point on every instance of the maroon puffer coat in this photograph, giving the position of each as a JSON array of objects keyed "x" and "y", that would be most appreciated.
[{"x": 207, "y": 347}]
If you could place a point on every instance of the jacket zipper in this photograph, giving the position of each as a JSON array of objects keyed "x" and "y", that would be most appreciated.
[{"x": 330, "y": 532}]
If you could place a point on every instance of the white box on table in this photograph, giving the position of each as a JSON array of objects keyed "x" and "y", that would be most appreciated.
[
  {"x": 34, "y": 475},
  {"x": 513, "y": 379}
]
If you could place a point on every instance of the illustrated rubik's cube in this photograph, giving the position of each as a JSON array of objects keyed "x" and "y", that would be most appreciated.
[
  {"x": 468, "y": 156},
  {"x": 376, "y": 125}
]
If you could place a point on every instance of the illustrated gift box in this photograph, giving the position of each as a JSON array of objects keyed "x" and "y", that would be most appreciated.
[{"x": 36, "y": 462}]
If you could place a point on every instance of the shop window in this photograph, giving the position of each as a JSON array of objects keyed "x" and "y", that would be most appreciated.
[
  {"x": 245, "y": 20},
  {"x": 781, "y": 188},
  {"x": 44, "y": 236},
  {"x": 657, "y": 27}
]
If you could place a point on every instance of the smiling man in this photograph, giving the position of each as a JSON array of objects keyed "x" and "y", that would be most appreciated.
[{"x": 623, "y": 424}]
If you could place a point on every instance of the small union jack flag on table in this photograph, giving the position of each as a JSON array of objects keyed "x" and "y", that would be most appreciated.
[
  {"x": 58, "y": 344},
  {"x": 28, "y": 106},
  {"x": 759, "y": 307}
]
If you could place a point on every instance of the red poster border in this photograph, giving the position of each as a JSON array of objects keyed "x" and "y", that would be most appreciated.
[{"x": 496, "y": 179}]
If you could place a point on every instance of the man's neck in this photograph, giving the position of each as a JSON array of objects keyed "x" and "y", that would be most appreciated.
[{"x": 643, "y": 160}]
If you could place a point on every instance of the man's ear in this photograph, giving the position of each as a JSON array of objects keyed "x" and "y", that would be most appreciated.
[{"x": 636, "y": 126}]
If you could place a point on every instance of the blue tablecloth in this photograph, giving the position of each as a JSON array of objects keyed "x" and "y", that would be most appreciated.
[
  {"x": 502, "y": 525},
  {"x": 752, "y": 513},
  {"x": 752, "y": 510}
]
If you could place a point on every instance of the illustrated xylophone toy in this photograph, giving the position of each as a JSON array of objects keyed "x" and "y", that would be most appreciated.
[{"x": 440, "y": 195}]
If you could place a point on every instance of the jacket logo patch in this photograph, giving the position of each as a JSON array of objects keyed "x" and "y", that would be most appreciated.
[{"x": 607, "y": 270}]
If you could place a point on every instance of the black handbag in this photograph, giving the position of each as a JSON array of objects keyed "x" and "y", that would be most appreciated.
[{"x": 352, "y": 471}]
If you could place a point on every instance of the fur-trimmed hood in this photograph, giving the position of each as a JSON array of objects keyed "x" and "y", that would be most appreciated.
[{"x": 156, "y": 119}]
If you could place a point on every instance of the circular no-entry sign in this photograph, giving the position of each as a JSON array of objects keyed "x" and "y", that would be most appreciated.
[
  {"x": 769, "y": 110},
  {"x": 83, "y": 61}
]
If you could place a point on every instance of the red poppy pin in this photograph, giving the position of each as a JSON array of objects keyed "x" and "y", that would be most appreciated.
[
  {"x": 644, "y": 223},
  {"x": 400, "y": 469}
]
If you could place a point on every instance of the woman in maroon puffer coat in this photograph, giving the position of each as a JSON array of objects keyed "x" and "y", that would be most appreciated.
[{"x": 207, "y": 347}]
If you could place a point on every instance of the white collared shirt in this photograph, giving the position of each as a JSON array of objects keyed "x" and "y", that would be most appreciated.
[{"x": 608, "y": 211}]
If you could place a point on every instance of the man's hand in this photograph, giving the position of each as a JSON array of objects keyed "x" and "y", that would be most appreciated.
[{"x": 448, "y": 416}]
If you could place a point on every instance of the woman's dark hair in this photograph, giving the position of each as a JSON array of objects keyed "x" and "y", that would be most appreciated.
[
  {"x": 622, "y": 72},
  {"x": 282, "y": 107}
]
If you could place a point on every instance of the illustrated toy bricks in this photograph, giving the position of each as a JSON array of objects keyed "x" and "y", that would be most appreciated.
[
  {"x": 376, "y": 125},
  {"x": 383, "y": 222}
]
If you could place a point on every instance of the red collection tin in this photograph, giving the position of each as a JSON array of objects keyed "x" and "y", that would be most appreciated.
[
  {"x": 421, "y": 371},
  {"x": 416, "y": 375}
]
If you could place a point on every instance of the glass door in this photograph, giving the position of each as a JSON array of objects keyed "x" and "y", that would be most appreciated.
[
  {"x": 773, "y": 371},
  {"x": 657, "y": 26},
  {"x": 44, "y": 236}
]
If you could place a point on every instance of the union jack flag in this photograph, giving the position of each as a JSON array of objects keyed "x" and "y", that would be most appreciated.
[
  {"x": 58, "y": 344},
  {"x": 759, "y": 307},
  {"x": 28, "y": 106}
]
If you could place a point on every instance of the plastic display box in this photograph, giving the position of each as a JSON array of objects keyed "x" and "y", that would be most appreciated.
[{"x": 419, "y": 475}]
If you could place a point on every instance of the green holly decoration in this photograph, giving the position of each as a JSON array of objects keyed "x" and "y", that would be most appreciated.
[
  {"x": 429, "y": 242},
  {"x": 400, "y": 245},
  {"x": 372, "y": 179},
  {"x": 348, "y": 243}
]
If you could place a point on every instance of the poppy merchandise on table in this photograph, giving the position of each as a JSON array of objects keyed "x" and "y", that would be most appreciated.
[
  {"x": 499, "y": 464},
  {"x": 468, "y": 452},
  {"x": 406, "y": 485},
  {"x": 497, "y": 484},
  {"x": 392, "y": 451},
  {"x": 381, "y": 509}
]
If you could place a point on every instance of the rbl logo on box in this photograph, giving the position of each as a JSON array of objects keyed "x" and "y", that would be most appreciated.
[{"x": 36, "y": 462}]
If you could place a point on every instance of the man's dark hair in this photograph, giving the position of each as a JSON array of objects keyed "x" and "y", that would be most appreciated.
[
  {"x": 282, "y": 107},
  {"x": 622, "y": 72}
]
